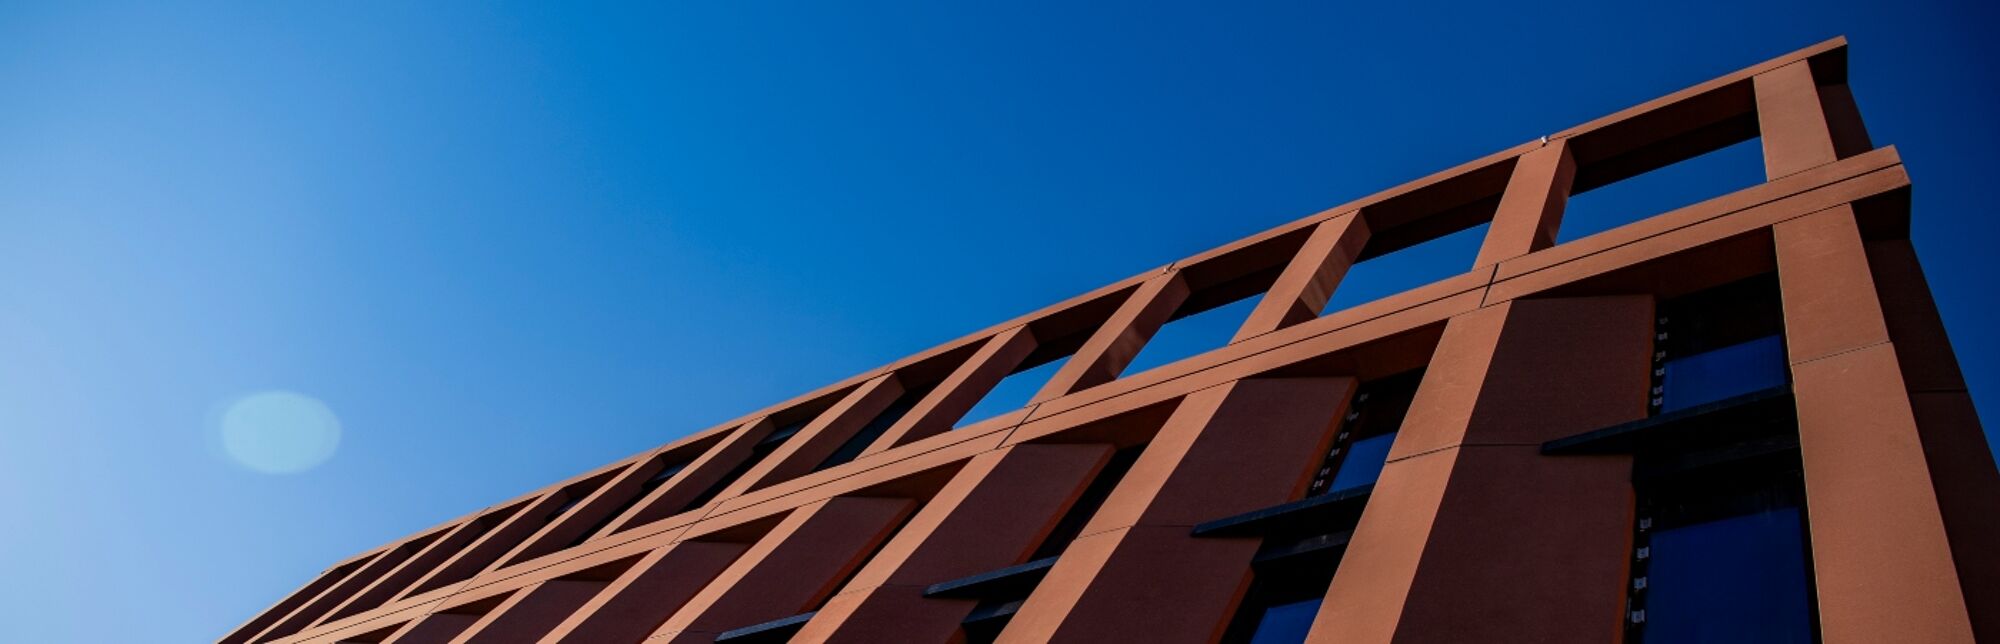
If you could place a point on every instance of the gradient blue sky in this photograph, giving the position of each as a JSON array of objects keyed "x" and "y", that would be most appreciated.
[{"x": 509, "y": 243}]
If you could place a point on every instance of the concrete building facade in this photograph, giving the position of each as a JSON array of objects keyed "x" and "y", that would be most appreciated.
[{"x": 1738, "y": 420}]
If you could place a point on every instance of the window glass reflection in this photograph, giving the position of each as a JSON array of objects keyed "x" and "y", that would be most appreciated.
[
  {"x": 1722, "y": 373},
  {"x": 1739, "y": 579},
  {"x": 1363, "y": 463},
  {"x": 1286, "y": 623}
]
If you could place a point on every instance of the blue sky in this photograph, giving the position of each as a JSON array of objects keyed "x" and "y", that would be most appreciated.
[{"x": 507, "y": 243}]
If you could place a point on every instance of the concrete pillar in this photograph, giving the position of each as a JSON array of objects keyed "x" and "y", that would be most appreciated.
[
  {"x": 645, "y": 595},
  {"x": 311, "y": 611},
  {"x": 1791, "y": 121},
  {"x": 529, "y": 613},
  {"x": 1471, "y": 535},
  {"x": 1531, "y": 208},
  {"x": 1135, "y": 575},
  {"x": 1119, "y": 339},
  {"x": 994, "y": 360},
  {"x": 823, "y": 436},
  {"x": 789, "y": 569},
  {"x": 597, "y": 502},
  {"x": 379, "y": 591},
  {"x": 484, "y": 550},
  {"x": 436, "y": 628},
  {"x": 705, "y": 471},
  {"x": 991, "y": 515},
  {"x": 257, "y": 625},
  {"x": 1882, "y": 562},
  {"x": 1955, "y": 447},
  {"x": 1303, "y": 289}
]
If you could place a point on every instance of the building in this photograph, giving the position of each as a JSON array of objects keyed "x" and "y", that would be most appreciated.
[{"x": 1734, "y": 421}]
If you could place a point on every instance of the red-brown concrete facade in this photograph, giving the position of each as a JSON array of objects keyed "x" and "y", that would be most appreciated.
[{"x": 822, "y": 510}]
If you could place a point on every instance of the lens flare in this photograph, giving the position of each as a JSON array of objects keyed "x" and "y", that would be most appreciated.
[{"x": 279, "y": 432}]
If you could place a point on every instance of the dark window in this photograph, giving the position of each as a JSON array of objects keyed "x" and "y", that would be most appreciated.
[
  {"x": 1086, "y": 505},
  {"x": 1738, "y": 579},
  {"x": 784, "y": 433},
  {"x": 1288, "y": 585},
  {"x": 1303, "y": 541},
  {"x": 661, "y": 477},
  {"x": 1366, "y": 434},
  {"x": 782, "y": 629},
  {"x": 1724, "y": 373},
  {"x": 570, "y": 499},
  {"x": 1720, "y": 564},
  {"x": 1286, "y": 622},
  {"x": 994, "y": 610},
  {"x": 1721, "y": 550},
  {"x": 1719, "y": 343},
  {"x": 1363, "y": 463}
]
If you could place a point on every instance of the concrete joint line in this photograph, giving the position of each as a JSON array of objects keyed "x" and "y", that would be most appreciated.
[
  {"x": 865, "y": 589},
  {"x": 1423, "y": 453},
  {"x": 1804, "y": 170},
  {"x": 1087, "y": 535},
  {"x": 1842, "y": 352},
  {"x": 1017, "y": 426}
]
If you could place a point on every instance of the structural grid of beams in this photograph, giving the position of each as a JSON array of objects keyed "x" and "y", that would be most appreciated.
[{"x": 1733, "y": 420}]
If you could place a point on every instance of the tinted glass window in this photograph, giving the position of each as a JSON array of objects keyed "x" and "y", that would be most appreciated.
[
  {"x": 1363, "y": 463},
  {"x": 1286, "y": 623},
  {"x": 1722, "y": 373},
  {"x": 1739, "y": 579}
]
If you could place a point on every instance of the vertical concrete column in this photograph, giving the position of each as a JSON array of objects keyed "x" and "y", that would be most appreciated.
[
  {"x": 1791, "y": 121},
  {"x": 1955, "y": 447},
  {"x": 1531, "y": 208},
  {"x": 645, "y": 595},
  {"x": 789, "y": 569},
  {"x": 1882, "y": 563},
  {"x": 1112, "y": 347},
  {"x": 821, "y": 437},
  {"x": 1843, "y": 116},
  {"x": 991, "y": 515},
  {"x": 1135, "y": 575},
  {"x": 959, "y": 391},
  {"x": 1471, "y": 535},
  {"x": 1303, "y": 289}
]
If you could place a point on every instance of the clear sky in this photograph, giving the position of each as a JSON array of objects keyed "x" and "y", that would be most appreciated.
[{"x": 503, "y": 244}]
